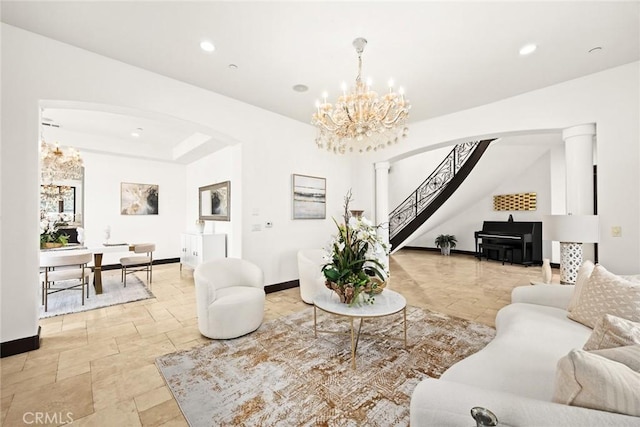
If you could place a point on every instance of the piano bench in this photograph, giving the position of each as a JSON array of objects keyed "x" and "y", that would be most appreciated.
[{"x": 502, "y": 251}]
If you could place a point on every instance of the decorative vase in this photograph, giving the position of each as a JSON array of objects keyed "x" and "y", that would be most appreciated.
[
  {"x": 546, "y": 271},
  {"x": 356, "y": 213},
  {"x": 200, "y": 226},
  {"x": 445, "y": 250},
  {"x": 52, "y": 245},
  {"x": 375, "y": 286},
  {"x": 346, "y": 293}
]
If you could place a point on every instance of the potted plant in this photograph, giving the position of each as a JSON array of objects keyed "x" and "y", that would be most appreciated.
[
  {"x": 50, "y": 234},
  {"x": 353, "y": 266},
  {"x": 445, "y": 242}
]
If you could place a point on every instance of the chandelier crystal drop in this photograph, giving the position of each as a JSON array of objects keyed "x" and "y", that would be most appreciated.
[
  {"x": 57, "y": 164},
  {"x": 361, "y": 121}
]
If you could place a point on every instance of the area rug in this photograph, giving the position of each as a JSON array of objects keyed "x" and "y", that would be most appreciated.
[
  {"x": 113, "y": 292},
  {"x": 282, "y": 375}
]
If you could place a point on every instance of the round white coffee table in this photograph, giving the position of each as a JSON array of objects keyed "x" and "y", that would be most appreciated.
[{"x": 386, "y": 304}]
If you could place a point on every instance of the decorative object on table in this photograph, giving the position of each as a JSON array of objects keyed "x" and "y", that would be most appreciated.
[
  {"x": 323, "y": 388},
  {"x": 80, "y": 236},
  {"x": 361, "y": 121},
  {"x": 200, "y": 226},
  {"x": 138, "y": 199},
  {"x": 445, "y": 242},
  {"x": 215, "y": 201},
  {"x": 354, "y": 266},
  {"x": 309, "y": 195},
  {"x": 546, "y": 271},
  {"x": 107, "y": 234},
  {"x": 51, "y": 234},
  {"x": 515, "y": 202},
  {"x": 356, "y": 213},
  {"x": 571, "y": 231}
]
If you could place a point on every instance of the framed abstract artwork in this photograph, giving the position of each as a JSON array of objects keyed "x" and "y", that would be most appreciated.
[
  {"x": 215, "y": 202},
  {"x": 138, "y": 199},
  {"x": 309, "y": 197}
]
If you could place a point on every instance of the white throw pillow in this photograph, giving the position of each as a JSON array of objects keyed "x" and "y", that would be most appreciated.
[
  {"x": 612, "y": 331},
  {"x": 593, "y": 381},
  {"x": 606, "y": 293},
  {"x": 584, "y": 272}
]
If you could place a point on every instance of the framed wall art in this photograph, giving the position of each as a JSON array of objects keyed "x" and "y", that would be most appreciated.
[
  {"x": 138, "y": 199},
  {"x": 215, "y": 202},
  {"x": 309, "y": 197}
]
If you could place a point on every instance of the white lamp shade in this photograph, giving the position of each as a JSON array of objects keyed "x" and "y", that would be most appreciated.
[{"x": 571, "y": 228}]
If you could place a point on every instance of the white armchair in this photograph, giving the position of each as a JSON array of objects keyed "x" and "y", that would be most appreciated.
[
  {"x": 229, "y": 297},
  {"x": 310, "y": 262}
]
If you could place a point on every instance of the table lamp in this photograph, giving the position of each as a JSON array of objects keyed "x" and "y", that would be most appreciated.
[{"x": 571, "y": 231}]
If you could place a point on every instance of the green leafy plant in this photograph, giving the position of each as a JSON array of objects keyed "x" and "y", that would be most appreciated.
[
  {"x": 50, "y": 231},
  {"x": 353, "y": 256},
  {"x": 446, "y": 241}
]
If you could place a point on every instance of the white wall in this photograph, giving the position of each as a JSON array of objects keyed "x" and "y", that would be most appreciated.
[
  {"x": 272, "y": 147},
  {"x": 536, "y": 178},
  {"x": 611, "y": 99},
  {"x": 224, "y": 165},
  {"x": 103, "y": 176},
  {"x": 407, "y": 174}
]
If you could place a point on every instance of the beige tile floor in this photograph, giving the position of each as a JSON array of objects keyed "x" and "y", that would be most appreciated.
[{"x": 97, "y": 368}]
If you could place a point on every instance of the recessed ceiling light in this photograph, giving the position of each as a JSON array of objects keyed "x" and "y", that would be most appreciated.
[
  {"x": 136, "y": 133},
  {"x": 595, "y": 49},
  {"x": 207, "y": 46},
  {"x": 528, "y": 49},
  {"x": 300, "y": 88},
  {"x": 233, "y": 67}
]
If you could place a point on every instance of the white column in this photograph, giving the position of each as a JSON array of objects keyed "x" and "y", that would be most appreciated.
[
  {"x": 578, "y": 143},
  {"x": 382, "y": 203}
]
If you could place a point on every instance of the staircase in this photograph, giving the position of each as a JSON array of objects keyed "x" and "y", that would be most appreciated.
[{"x": 435, "y": 190}]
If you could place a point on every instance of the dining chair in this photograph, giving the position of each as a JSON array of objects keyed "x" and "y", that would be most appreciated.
[
  {"x": 131, "y": 264},
  {"x": 64, "y": 272}
]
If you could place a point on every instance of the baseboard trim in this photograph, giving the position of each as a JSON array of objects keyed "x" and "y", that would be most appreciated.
[
  {"x": 21, "y": 345},
  {"x": 155, "y": 262},
  {"x": 453, "y": 251},
  {"x": 281, "y": 286}
]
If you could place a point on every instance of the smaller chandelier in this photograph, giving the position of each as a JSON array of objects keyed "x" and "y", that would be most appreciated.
[
  {"x": 57, "y": 164},
  {"x": 361, "y": 121}
]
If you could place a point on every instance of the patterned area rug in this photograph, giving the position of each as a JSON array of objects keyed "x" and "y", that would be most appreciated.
[
  {"x": 282, "y": 375},
  {"x": 113, "y": 292}
]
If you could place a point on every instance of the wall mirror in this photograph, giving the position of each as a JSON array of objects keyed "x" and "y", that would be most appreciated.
[
  {"x": 64, "y": 199},
  {"x": 215, "y": 202}
]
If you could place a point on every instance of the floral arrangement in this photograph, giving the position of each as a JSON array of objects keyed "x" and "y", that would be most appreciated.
[
  {"x": 353, "y": 256},
  {"x": 50, "y": 230}
]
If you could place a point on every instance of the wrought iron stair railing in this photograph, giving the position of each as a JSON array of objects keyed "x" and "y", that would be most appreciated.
[{"x": 435, "y": 190}]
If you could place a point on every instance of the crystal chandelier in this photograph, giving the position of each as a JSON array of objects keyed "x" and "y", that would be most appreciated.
[
  {"x": 361, "y": 121},
  {"x": 57, "y": 164}
]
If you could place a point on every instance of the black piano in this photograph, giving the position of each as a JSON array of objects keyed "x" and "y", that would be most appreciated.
[{"x": 518, "y": 242}]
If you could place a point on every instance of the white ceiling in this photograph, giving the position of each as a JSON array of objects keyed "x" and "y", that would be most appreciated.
[{"x": 448, "y": 56}]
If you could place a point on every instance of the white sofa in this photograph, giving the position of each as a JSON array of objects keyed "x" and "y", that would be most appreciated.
[{"x": 513, "y": 376}]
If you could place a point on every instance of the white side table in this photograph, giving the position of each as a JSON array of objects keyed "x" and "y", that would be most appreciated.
[{"x": 386, "y": 304}]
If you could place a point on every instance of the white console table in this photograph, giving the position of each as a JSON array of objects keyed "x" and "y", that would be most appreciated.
[{"x": 198, "y": 248}]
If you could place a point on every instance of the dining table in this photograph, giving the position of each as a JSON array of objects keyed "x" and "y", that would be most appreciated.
[{"x": 98, "y": 251}]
